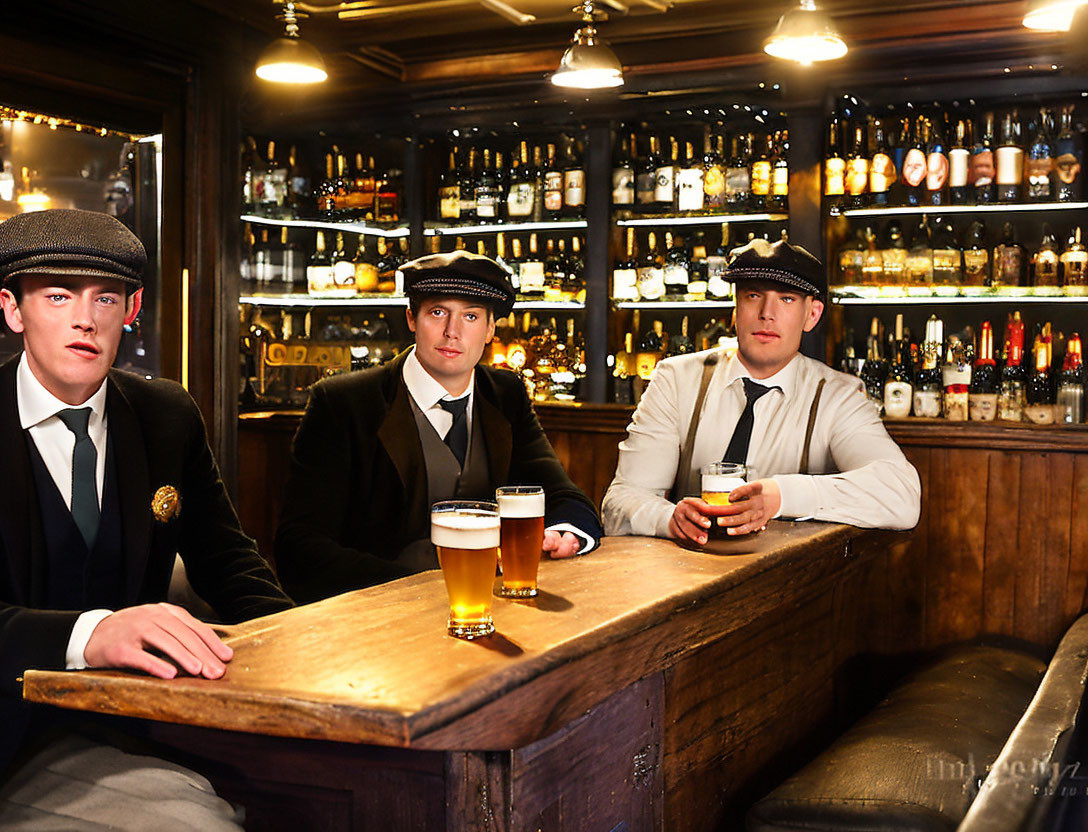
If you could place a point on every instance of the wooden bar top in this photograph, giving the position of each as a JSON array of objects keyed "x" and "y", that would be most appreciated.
[{"x": 376, "y": 666}]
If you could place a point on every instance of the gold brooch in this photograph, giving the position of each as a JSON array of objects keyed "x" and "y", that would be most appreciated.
[{"x": 166, "y": 504}]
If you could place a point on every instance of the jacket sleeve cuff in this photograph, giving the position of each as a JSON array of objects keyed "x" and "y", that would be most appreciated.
[
  {"x": 81, "y": 634},
  {"x": 589, "y": 543},
  {"x": 800, "y": 498}
]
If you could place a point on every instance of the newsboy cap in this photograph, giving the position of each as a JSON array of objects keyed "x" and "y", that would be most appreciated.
[
  {"x": 778, "y": 262},
  {"x": 462, "y": 274},
  {"x": 71, "y": 242}
]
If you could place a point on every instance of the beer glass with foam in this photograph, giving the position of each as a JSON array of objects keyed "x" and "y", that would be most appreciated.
[
  {"x": 521, "y": 510},
  {"x": 466, "y": 536},
  {"x": 719, "y": 478}
]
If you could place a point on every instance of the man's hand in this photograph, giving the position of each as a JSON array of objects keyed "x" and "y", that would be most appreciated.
[
  {"x": 750, "y": 507},
  {"x": 561, "y": 545},
  {"x": 124, "y": 638},
  {"x": 691, "y": 519}
]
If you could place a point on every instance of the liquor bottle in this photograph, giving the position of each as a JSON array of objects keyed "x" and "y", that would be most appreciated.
[
  {"x": 253, "y": 167},
  {"x": 898, "y": 144},
  {"x": 976, "y": 256},
  {"x": 936, "y": 163},
  {"x": 665, "y": 180},
  {"x": 1009, "y": 259},
  {"x": 553, "y": 186},
  {"x": 576, "y": 271},
  {"x": 343, "y": 269},
  {"x": 651, "y": 277},
  {"x": 872, "y": 262},
  {"x": 689, "y": 183},
  {"x": 1013, "y": 397},
  {"x": 780, "y": 174},
  {"x": 623, "y": 370},
  {"x": 981, "y": 173},
  {"x": 293, "y": 270},
  {"x": 342, "y": 187},
  {"x": 1040, "y": 393},
  {"x": 385, "y": 267},
  {"x": 297, "y": 188},
  {"x": 646, "y": 180},
  {"x": 959, "y": 165},
  {"x": 894, "y": 254},
  {"x": 651, "y": 350},
  {"x": 531, "y": 273},
  {"x": 834, "y": 164},
  {"x": 738, "y": 182},
  {"x": 1070, "y": 398},
  {"x": 929, "y": 385},
  {"x": 875, "y": 370},
  {"x": 502, "y": 183},
  {"x": 326, "y": 191},
  {"x": 362, "y": 199},
  {"x": 623, "y": 174},
  {"x": 882, "y": 171},
  {"x": 366, "y": 270},
  {"x": 761, "y": 174},
  {"x": 271, "y": 194},
  {"x": 717, "y": 287},
  {"x": 947, "y": 256},
  {"x": 449, "y": 190},
  {"x": 713, "y": 172},
  {"x": 520, "y": 197},
  {"x": 387, "y": 196},
  {"x": 574, "y": 182},
  {"x": 319, "y": 279},
  {"x": 956, "y": 376},
  {"x": 1044, "y": 263},
  {"x": 1010, "y": 160},
  {"x": 1039, "y": 164},
  {"x": 920, "y": 256},
  {"x": 468, "y": 188},
  {"x": 677, "y": 267},
  {"x": 913, "y": 172},
  {"x": 487, "y": 192},
  {"x": 513, "y": 262},
  {"x": 681, "y": 344},
  {"x": 1067, "y": 162},
  {"x": 247, "y": 266},
  {"x": 985, "y": 385},
  {"x": 262, "y": 261},
  {"x": 538, "y": 185},
  {"x": 697, "y": 268},
  {"x": 857, "y": 170},
  {"x": 1074, "y": 265},
  {"x": 555, "y": 271},
  {"x": 625, "y": 273},
  {"x": 898, "y": 386}
]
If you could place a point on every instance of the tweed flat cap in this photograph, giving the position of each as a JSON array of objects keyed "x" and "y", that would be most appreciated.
[
  {"x": 461, "y": 274},
  {"x": 778, "y": 262},
  {"x": 72, "y": 242}
]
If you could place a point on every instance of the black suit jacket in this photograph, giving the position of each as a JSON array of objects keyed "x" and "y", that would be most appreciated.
[
  {"x": 357, "y": 492},
  {"x": 159, "y": 439}
]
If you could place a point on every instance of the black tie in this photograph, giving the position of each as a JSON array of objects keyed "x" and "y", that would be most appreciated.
[
  {"x": 84, "y": 462},
  {"x": 742, "y": 434},
  {"x": 457, "y": 436}
]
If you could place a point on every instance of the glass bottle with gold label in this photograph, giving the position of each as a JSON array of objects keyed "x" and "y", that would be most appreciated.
[
  {"x": 985, "y": 386},
  {"x": 882, "y": 173},
  {"x": 976, "y": 256},
  {"x": 780, "y": 173},
  {"x": 364, "y": 269},
  {"x": 713, "y": 172},
  {"x": 625, "y": 273},
  {"x": 894, "y": 254},
  {"x": 1044, "y": 263},
  {"x": 852, "y": 259},
  {"x": 834, "y": 164},
  {"x": 956, "y": 375},
  {"x": 1040, "y": 406},
  {"x": 449, "y": 190},
  {"x": 1074, "y": 265},
  {"x": 929, "y": 386},
  {"x": 857, "y": 170},
  {"x": 531, "y": 273},
  {"x": 761, "y": 174},
  {"x": 872, "y": 262},
  {"x": 1067, "y": 159},
  {"x": 920, "y": 256},
  {"x": 898, "y": 386},
  {"x": 1009, "y": 259},
  {"x": 947, "y": 256}
]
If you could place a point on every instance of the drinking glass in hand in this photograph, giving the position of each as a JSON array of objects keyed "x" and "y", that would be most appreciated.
[
  {"x": 719, "y": 478},
  {"x": 466, "y": 535},
  {"x": 521, "y": 509}
]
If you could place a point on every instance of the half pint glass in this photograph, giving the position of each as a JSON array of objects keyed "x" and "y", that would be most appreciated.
[
  {"x": 466, "y": 535},
  {"x": 521, "y": 509},
  {"x": 719, "y": 478}
]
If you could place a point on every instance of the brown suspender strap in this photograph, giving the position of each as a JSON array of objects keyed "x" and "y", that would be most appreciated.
[
  {"x": 682, "y": 470},
  {"x": 811, "y": 424}
]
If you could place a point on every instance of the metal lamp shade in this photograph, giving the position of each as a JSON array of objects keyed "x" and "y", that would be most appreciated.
[
  {"x": 1051, "y": 15},
  {"x": 290, "y": 60},
  {"x": 805, "y": 35},
  {"x": 589, "y": 63}
]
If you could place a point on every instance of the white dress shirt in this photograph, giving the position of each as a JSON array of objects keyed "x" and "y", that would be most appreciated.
[
  {"x": 857, "y": 474},
  {"x": 38, "y": 409},
  {"x": 426, "y": 392}
]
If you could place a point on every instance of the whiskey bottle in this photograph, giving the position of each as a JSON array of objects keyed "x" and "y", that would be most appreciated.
[
  {"x": 857, "y": 170},
  {"x": 697, "y": 268},
  {"x": 1074, "y": 265},
  {"x": 1044, "y": 263},
  {"x": 519, "y": 200},
  {"x": 947, "y": 256},
  {"x": 651, "y": 277},
  {"x": 1068, "y": 158},
  {"x": 262, "y": 261},
  {"x": 531, "y": 273},
  {"x": 646, "y": 180},
  {"x": 1070, "y": 398},
  {"x": 342, "y": 187},
  {"x": 362, "y": 202},
  {"x": 364, "y": 269},
  {"x": 894, "y": 254},
  {"x": 1040, "y": 163},
  {"x": 913, "y": 172},
  {"x": 872, "y": 262},
  {"x": 985, "y": 386},
  {"x": 981, "y": 172},
  {"x": 780, "y": 173},
  {"x": 920, "y": 256},
  {"x": 936, "y": 164},
  {"x": 651, "y": 350},
  {"x": 834, "y": 164},
  {"x": 959, "y": 164},
  {"x": 625, "y": 273},
  {"x": 1013, "y": 397},
  {"x": 882, "y": 172},
  {"x": 929, "y": 386},
  {"x": 1010, "y": 160},
  {"x": 713, "y": 172},
  {"x": 326, "y": 191},
  {"x": 761, "y": 174},
  {"x": 555, "y": 271},
  {"x": 553, "y": 186},
  {"x": 681, "y": 344},
  {"x": 976, "y": 256},
  {"x": 385, "y": 267},
  {"x": 296, "y": 188},
  {"x": 319, "y": 279},
  {"x": 538, "y": 185},
  {"x": 1009, "y": 259},
  {"x": 852, "y": 259},
  {"x": 487, "y": 192},
  {"x": 387, "y": 195},
  {"x": 898, "y": 386}
]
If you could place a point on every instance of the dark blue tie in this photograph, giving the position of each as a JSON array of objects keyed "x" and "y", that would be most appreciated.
[
  {"x": 84, "y": 462},
  {"x": 742, "y": 434},
  {"x": 457, "y": 436}
]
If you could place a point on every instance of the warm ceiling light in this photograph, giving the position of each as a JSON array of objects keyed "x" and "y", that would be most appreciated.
[
  {"x": 1051, "y": 15},
  {"x": 290, "y": 59},
  {"x": 589, "y": 62},
  {"x": 805, "y": 35}
]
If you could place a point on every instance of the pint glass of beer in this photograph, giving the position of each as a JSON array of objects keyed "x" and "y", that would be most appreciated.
[
  {"x": 466, "y": 535},
  {"x": 521, "y": 509},
  {"x": 719, "y": 478}
]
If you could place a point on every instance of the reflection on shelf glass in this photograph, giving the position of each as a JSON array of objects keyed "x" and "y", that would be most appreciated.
[
  {"x": 674, "y": 304},
  {"x": 298, "y": 299},
  {"x": 704, "y": 219},
  {"x": 994, "y": 208},
  {"x": 440, "y": 230},
  {"x": 355, "y": 227}
]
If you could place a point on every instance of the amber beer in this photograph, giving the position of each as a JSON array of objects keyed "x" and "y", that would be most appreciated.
[
  {"x": 719, "y": 478},
  {"x": 521, "y": 509},
  {"x": 466, "y": 536}
]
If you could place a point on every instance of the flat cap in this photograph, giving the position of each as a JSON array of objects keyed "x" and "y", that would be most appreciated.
[
  {"x": 778, "y": 262},
  {"x": 461, "y": 274},
  {"x": 72, "y": 242}
]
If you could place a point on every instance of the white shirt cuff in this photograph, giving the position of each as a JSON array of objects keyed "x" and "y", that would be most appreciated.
[
  {"x": 81, "y": 634},
  {"x": 800, "y": 497},
  {"x": 587, "y": 541}
]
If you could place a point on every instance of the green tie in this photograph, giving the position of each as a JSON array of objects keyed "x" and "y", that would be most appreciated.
[{"x": 84, "y": 462}]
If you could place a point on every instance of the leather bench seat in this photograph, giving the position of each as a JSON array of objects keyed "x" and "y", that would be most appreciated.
[{"x": 915, "y": 761}]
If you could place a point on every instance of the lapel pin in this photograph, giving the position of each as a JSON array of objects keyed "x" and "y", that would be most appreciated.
[{"x": 166, "y": 504}]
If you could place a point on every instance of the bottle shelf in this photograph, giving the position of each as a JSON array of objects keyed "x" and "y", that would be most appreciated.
[
  {"x": 300, "y": 299},
  {"x": 434, "y": 229},
  {"x": 991, "y": 208},
  {"x": 701, "y": 219},
  {"x": 388, "y": 231},
  {"x": 673, "y": 304},
  {"x": 935, "y": 300},
  {"x": 549, "y": 304}
]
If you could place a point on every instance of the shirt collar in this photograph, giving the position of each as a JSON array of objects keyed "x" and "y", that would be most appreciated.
[
  {"x": 785, "y": 379},
  {"x": 36, "y": 404},
  {"x": 422, "y": 386}
]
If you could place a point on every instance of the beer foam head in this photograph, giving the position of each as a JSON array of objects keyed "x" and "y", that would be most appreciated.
[
  {"x": 464, "y": 529},
  {"x": 721, "y": 483},
  {"x": 521, "y": 505}
]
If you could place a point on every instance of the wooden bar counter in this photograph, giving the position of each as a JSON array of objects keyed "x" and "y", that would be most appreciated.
[{"x": 648, "y": 686}]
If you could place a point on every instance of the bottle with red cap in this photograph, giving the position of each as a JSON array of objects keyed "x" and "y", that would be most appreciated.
[
  {"x": 982, "y": 398},
  {"x": 1012, "y": 398}
]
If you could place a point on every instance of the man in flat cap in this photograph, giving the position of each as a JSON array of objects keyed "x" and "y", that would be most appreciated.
[
  {"x": 106, "y": 477},
  {"x": 815, "y": 445},
  {"x": 377, "y": 448}
]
